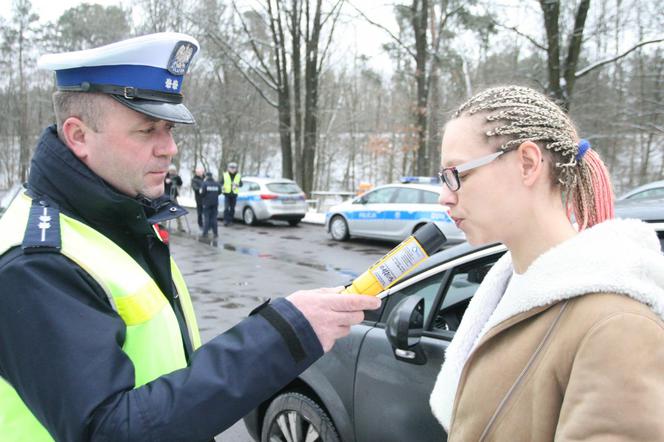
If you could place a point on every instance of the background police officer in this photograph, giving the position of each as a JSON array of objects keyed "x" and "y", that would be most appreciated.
[
  {"x": 172, "y": 184},
  {"x": 230, "y": 184},
  {"x": 98, "y": 337},
  {"x": 210, "y": 191},
  {"x": 196, "y": 184}
]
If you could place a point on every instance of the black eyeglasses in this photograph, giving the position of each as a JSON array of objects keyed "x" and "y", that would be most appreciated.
[{"x": 450, "y": 175}]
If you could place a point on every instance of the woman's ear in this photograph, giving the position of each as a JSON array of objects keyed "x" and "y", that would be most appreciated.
[
  {"x": 531, "y": 161},
  {"x": 75, "y": 134}
]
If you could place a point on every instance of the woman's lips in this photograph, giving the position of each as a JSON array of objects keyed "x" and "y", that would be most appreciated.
[{"x": 457, "y": 221}]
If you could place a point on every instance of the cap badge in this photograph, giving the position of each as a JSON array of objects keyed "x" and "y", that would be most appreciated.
[{"x": 180, "y": 57}]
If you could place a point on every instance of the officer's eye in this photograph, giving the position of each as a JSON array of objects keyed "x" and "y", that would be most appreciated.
[{"x": 147, "y": 130}]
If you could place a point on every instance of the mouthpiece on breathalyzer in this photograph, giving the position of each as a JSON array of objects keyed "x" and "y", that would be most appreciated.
[
  {"x": 392, "y": 267},
  {"x": 430, "y": 238}
]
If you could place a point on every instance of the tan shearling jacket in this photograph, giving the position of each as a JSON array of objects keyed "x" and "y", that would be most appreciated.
[{"x": 575, "y": 353}]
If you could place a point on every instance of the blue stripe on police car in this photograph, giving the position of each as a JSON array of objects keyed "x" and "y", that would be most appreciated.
[{"x": 398, "y": 215}]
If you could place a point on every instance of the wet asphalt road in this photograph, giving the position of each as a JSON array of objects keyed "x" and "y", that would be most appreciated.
[{"x": 248, "y": 265}]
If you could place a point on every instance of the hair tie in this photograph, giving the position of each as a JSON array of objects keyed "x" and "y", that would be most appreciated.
[{"x": 584, "y": 145}]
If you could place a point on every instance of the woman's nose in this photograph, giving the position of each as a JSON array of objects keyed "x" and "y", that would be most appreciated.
[{"x": 446, "y": 196}]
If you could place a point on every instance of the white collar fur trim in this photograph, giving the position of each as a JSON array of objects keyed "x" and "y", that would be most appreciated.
[{"x": 617, "y": 256}]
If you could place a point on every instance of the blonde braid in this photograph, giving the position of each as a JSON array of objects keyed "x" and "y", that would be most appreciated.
[{"x": 522, "y": 114}]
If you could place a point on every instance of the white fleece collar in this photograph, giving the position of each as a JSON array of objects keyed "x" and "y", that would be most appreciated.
[{"x": 617, "y": 256}]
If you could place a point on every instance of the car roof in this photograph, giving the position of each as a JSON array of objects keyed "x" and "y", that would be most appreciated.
[
  {"x": 465, "y": 249},
  {"x": 450, "y": 254},
  {"x": 263, "y": 179},
  {"x": 430, "y": 187},
  {"x": 648, "y": 186}
]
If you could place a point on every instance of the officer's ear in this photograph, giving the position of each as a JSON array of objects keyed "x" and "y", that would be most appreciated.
[{"x": 76, "y": 134}]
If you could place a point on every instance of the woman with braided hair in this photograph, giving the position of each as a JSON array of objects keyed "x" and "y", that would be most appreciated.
[{"x": 564, "y": 339}]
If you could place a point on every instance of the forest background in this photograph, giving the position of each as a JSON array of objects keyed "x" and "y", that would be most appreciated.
[{"x": 283, "y": 87}]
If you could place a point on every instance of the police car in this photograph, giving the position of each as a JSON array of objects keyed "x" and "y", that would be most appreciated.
[
  {"x": 261, "y": 199},
  {"x": 392, "y": 212}
]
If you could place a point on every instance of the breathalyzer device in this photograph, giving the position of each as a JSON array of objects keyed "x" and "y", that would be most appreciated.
[{"x": 402, "y": 259}]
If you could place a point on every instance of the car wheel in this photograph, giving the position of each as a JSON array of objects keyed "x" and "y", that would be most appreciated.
[
  {"x": 248, "y": 216},
  {"x": 294, "y": 222},
  {"x": 338, "y": 228},
  {"x": 294, "y": 417}
]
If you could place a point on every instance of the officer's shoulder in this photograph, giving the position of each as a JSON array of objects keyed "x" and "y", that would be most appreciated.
[
  {"x": 42, "y": 232},
  {"x": 17, "y": 259}
]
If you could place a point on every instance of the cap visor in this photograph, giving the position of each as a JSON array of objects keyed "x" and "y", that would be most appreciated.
[{"x": 177, "y": 113}]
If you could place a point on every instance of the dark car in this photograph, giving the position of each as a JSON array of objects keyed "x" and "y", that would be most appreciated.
[{"x": 375, "y": 384}]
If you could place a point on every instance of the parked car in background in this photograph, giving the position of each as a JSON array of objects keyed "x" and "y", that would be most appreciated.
[
  {"x": 261, "y": 199},
  {"x": 391, "y": 212},
  {"x": 374, "y": 385},
  {"x": 647, "y": 209},
  {"x": 647, "y": 191}
]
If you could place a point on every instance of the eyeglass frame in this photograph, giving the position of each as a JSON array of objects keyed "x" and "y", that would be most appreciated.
[{"x": 465, "y": 167}]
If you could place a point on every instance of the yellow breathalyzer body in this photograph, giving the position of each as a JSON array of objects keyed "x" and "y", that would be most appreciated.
[{"x": 402, "y": 259}]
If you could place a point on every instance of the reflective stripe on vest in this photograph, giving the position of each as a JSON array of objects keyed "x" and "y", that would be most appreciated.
[
  {"x": 153, "y": 341},
  {"x": 227, "y": 183}
]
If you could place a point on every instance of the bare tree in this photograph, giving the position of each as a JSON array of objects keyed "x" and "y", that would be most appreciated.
[
  {"x": 18, "y": 39},
  {"x": 427, "y": 21}
]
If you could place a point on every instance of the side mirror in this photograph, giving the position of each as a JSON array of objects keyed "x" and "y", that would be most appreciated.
[
  {"x": 360, "y": 200},
  {"x": 404, "y": 329}
]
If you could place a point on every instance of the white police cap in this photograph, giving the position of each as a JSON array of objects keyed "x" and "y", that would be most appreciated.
[{"x": 143, "y": 73}]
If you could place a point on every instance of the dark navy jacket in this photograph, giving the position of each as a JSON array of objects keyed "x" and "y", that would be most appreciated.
[
  {"x": 210, "y": 191},
  {"x": 60, "y": 339}
]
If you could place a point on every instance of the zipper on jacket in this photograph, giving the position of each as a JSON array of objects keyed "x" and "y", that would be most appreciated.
[{"x": 525, "y": 370}]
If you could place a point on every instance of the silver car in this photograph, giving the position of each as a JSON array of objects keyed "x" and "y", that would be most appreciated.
[
  {"x": 261, "y": 199},
  {"x": 391, "y": 212},
  {"x": 647, "y": 191}
]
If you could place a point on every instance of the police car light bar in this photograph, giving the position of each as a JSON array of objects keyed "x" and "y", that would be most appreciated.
[{"x": 419, "y": 180}]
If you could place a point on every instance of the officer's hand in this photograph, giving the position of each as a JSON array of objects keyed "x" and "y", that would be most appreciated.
[{"x": 330, "y": 313}]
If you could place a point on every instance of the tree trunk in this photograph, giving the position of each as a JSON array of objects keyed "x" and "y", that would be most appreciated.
[
  {"x": 283, "y": 92},
  {"x": 311, "y": 77},
  {"x": 296, "y": 63},
  {"x": 24, "y": 147},
  {"x": 561, "y": 91},
  {"x": 551, "y": 11},
  {"x": 420, "y": 10},
  {"x": 574, "y": 51}
]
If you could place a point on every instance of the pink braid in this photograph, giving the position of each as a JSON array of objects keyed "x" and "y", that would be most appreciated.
[{"x": 592, "y": 199}]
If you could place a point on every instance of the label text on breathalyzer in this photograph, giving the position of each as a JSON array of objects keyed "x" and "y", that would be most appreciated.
[{"x": 399, "y": 263}]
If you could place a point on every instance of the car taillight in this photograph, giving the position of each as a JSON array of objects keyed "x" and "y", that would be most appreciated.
[{"x": 269, "y": 197}]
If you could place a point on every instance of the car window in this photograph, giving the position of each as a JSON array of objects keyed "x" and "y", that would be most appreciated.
[
  {"x": 247, "y": 186},
  {"x": 427, "y": 289},
  {"x": 461, "y": 287},
  {"x": 430, "y": 197},
  {"x": 647, "y": 194},
  {"x": 407, "y": 196},
  {"x": 284, "y": 188},
  {"x": 380, "y": 196}
]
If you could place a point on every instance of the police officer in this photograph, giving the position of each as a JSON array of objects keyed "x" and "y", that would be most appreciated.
[
  {"x": 98, "y": 337},
  {"x": 172, "y": 184},
  {"x": 210, "y": 194},
  {"x": 196, "y": 184},
  {"x": 231, "y": 182}
]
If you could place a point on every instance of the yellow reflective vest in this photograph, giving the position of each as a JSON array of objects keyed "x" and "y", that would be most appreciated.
[
  {"x": 153, "y": 340},
  {"x": 231, "y": 186}
]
